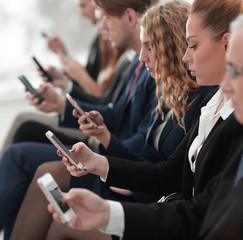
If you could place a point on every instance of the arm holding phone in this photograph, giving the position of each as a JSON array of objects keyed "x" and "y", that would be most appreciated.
[
  {"x": 91, "y": 211},
  {"x": 59, "y": 79},
  {"x": 53, "y": 101},
  {"x": 80, "y": 75},
  {"x": 101, "y": 132},
  {"x": 56, "y": 45}
]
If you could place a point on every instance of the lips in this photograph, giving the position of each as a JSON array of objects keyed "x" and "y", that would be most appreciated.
[
  {"x": 193, "y": 73},
  {"x": 149, "y": 69}
]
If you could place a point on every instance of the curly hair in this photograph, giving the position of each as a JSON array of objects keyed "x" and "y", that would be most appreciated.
[{"x": 165, "y": 24}]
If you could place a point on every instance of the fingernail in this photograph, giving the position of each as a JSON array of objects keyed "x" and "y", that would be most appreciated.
[{"x": 73, "y": 150}]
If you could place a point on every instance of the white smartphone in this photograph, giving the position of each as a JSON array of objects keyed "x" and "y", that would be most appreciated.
[
  {"x": 79, "y": 109},
  {"x": 60, "y": 146},
  {"x": 54, "y": 195}
]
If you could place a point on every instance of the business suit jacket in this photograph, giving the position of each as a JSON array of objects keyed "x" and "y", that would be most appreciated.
[
  {"x": 224, "y": 218},
  {"x": 128, "y": 119},
  {"x": 169, "y": 138},
  {"x": 179, "y": 219}
]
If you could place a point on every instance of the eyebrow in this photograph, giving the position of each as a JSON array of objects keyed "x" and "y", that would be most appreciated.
[
  {"x": 146, "y": 43},
  {"x": 192, "y": 36}
]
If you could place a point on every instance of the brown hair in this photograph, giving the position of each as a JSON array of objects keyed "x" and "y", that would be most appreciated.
[
  {"x": 165, "y": 24},
  {"x": 109, "y": 58},
  {"x": 217, "y": 14},
  {"x": 117, "y": 8}
]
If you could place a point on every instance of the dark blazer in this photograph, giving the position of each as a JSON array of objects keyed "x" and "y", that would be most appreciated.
[
  {"x": 170, "y": 137},
  {"x": 94, "y": 58},
  {"x": 224, "y": 218},
  {"x": 128, "y": 119},
  {"x": 179, "y": 219},
  {"x": 112, "y": 94}
]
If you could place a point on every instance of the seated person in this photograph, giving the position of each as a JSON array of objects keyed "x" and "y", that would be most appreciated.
[
  {"x": 200, "y": 157},
  {"x": 172, "y": 12},
  {"x": 224, "y": 217}
]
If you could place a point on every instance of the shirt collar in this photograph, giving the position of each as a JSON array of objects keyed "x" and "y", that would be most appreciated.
[{"x": 213, "y": 104}]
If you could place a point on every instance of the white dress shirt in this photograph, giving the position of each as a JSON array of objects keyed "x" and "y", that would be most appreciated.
[{"x": 208, "y": 119}]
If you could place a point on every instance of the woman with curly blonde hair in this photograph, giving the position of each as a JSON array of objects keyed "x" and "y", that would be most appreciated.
[{"x": 165, "y": 27}]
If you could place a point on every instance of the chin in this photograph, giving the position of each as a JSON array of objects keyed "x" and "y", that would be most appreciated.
[{"x": 239, "y": 117}]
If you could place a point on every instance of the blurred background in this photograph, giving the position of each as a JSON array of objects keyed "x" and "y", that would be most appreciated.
[{"x": 21, "y": 24}]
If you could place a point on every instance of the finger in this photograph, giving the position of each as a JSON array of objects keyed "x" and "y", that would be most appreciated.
[{"x": 76, "y": 113}]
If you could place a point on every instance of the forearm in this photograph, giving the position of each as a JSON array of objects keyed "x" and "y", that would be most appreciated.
[
  {"x": 89, "y": 84},
  {"x": 105, "y": 138}
]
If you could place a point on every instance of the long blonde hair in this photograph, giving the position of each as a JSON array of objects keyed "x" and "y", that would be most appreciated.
[{"x": 165, "y": 25}]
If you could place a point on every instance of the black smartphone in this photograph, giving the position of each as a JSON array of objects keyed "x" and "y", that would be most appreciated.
[
  {"x": 30, "y": 88},
  {"x": 45, "y": 73}
]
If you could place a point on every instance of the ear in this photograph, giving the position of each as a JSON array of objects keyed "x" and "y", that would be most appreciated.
[
  {"x": 226, "y": 38},
  {"x": 131, "y": 16}
]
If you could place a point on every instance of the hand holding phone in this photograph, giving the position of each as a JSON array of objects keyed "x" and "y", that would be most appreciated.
[
  {"x": 79, "y": 109},
  {"x": 60, "y": 146},
  {"x": 45, "y": 73},
  {"x": 54, "y": 195},
  {"x": 30, "y": 88}
]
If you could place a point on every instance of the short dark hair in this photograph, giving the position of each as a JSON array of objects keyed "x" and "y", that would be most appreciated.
[{"x": 117, "y": 8}]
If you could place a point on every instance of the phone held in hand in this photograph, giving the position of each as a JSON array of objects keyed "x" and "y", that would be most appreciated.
[
  {"x": 60, "y": 146},
  {"x": 54, "y": 195},
  {"x": 79, "y": 109},
  {"x": 30, "y": 88},
  {"x": 45, "y": 73}
]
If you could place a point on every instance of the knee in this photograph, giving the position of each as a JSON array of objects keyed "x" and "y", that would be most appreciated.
[{"x": 14, "y": 153}]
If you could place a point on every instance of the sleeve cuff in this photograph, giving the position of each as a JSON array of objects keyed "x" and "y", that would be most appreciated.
[
  {"x": 116, "y": 224},
  {"x": 105, "y": 178}
]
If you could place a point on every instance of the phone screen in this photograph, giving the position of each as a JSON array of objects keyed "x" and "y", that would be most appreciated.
[{"x": 57, "y": 195}]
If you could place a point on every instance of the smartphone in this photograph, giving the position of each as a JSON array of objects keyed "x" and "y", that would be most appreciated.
[
  {"x": 44, "y": 34},
  {"x": 60, "y": 146},
  {"x": 54, "y": 195},
  {"x": 30, "y": 88},
  {"x": 45, "y": 73},
  {"x": 79, "y": 109}
]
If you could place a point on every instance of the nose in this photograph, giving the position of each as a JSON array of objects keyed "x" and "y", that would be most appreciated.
[
  {"x": 186, "y": 58},
  {"x": 103, "y": 24},
  {"x": 143, "y": 57},
  {"x": 226, "y": 84}
]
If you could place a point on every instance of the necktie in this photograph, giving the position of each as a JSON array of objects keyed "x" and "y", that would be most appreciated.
[{"x": 135, "y": 76}]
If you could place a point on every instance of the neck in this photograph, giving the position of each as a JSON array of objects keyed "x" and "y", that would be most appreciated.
[
  {"x": 226, "y": 98},
  {"x": 135, "y": 42}
]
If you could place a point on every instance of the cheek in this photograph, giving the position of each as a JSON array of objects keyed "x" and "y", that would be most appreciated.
[{"x": 238, "y": 97}]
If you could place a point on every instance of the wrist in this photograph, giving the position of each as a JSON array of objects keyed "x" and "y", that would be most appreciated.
[
  {"x": 105, "y": 138},
  {"x": 106, "y": 214},
  {"x": 101, "y": 166},
  {"x": 61, "y": 104}
]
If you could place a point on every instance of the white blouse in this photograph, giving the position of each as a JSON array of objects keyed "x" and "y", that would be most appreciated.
[{"x": 208, "y": 119}]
